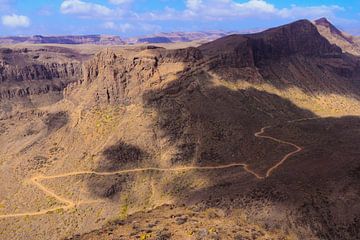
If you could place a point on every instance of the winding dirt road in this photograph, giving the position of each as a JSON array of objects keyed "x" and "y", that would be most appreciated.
[{"x": 69, "y": 204}]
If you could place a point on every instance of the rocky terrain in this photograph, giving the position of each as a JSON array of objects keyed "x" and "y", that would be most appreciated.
[
  {"x": 36, "y": 76},
  {"x": 250, "y": 136}
]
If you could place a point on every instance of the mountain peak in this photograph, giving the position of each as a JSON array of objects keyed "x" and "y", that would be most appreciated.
[
  {"x": 324, "y": 22},
  {"x": 300, "y": 37}
]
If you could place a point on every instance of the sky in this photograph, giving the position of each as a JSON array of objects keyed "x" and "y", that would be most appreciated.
[{"x": 128, "y": 18}]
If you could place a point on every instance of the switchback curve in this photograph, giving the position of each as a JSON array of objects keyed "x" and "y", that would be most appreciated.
[{"x": 69, "y": 204}]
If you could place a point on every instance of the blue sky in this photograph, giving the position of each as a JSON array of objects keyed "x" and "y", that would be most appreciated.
[{"x": 138, "y": 17}]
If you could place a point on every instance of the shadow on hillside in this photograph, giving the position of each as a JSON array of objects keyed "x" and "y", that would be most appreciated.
[
  {"x": 55, "y": 121},
  {"x": 317, "y": 189},
  {"x": 119, "y": 155},
  {"x": 114, "y": 158},
  {"x": 212, "y": 125}
]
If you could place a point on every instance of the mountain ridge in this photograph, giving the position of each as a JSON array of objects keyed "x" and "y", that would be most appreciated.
[{"x": 66, "y": 39}]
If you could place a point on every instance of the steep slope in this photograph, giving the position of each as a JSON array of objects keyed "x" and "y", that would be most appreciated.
[
  {"x": 345, "y": 41},
  {"x": 294, "y": 55}
]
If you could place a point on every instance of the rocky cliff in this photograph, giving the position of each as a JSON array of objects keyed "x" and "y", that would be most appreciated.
[
  {"x": 116, "y": 76},
  {"x": 36, "y": 76}
]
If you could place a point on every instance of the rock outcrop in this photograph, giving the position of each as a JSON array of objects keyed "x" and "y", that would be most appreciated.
[
  {"x": 32, "y": 77},
  {"x": 122, "y": 77}
]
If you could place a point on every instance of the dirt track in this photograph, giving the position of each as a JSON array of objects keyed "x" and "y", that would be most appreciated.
[{"x": 71, "y": 204}]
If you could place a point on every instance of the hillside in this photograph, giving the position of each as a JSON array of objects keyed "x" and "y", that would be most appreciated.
[{"x": 250, "y": 136}]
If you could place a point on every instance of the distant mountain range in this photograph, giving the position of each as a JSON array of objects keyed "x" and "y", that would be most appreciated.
[
  {"x": 180, "y": 37},
  {"x": 347, "y": 42},
  {"x": 172, "y": 37},
  {"x": 81, "y": 39}
]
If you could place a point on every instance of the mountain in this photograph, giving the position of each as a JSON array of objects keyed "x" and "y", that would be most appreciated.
[
  {"x": 80, "y": 39},
  {"x": 250, "y": 136},
  {"x": 154, "y": 40},
  {"x": 347, "y": 42},
  {"x": 178, "y": 37}
]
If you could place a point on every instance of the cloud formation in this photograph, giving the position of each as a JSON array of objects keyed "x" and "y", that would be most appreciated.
[
  {"x": 118, "y": 27},
  {"x": 85, "y": 9},
  {"x": 15, "y": 21},
  {"x": 224, "y": 9},
  {"x": 119, "y": 2}
]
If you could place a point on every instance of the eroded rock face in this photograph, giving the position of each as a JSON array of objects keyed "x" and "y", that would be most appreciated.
[
  {"x": 26, "y": 65},
  {"x": 122, "y": 77},
  {"x": 35, "y": 76}
]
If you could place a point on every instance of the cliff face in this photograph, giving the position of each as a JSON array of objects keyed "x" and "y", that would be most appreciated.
[
  {"x": 35, "y": 71},
  {"x": 114, "y": 76},
  {"x": 31, "y": 77}
]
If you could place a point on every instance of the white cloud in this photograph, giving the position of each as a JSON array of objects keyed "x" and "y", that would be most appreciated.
[
  {"x": 193, "y": 4},
  {"x": 132, "y": 27},
  {"x": 85, "y": 9},
  {"x": 125, "y": 27},
  {"x": 259, "y": 6},
  {"x": 109, "y": 25},
  {"x": 227, "y": 9},
  {"x": 15, "y": 21},
  {"x": 119, "y": 2}
]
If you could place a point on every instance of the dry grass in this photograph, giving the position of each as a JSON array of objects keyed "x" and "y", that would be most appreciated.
[{"x": 323, "y": 105}]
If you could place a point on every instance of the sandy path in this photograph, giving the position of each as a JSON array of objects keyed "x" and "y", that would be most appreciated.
[{"x": 68, "y": 204}]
